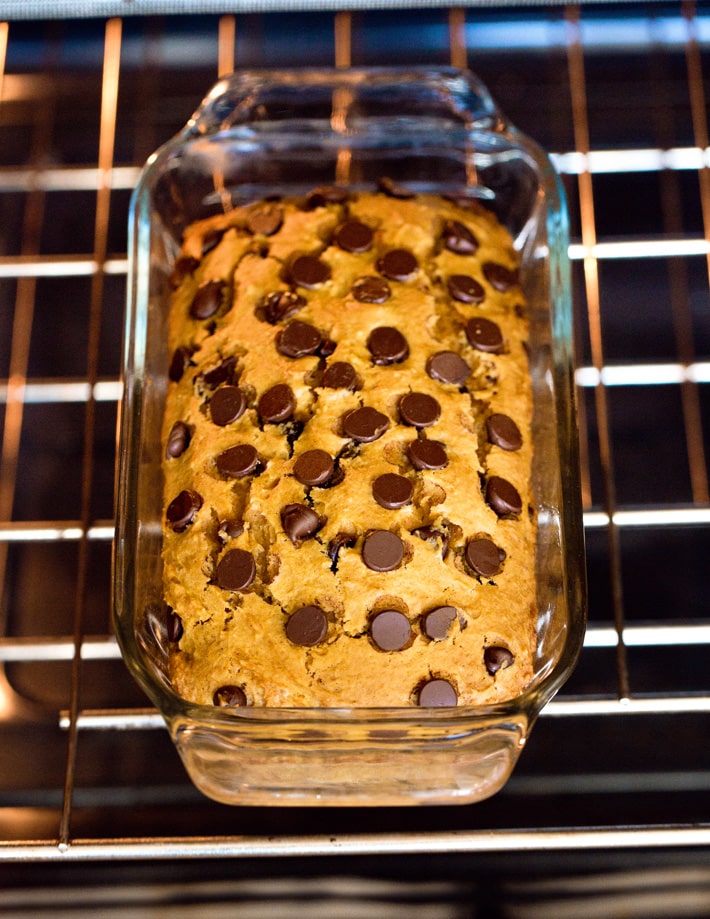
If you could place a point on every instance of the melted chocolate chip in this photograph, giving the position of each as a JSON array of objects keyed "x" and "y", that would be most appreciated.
[
  {"x": 307, "y": 627},
  {"x": 394, "y": 189},
  {"x": 437, "y": 622},
  {"x": 238, "y": 462},
  {"x": 430, "y": 534},
  {"x": 419, "y": 409},
  {"x": 427, "y": 454},
  {"x": 503, "y": 497},
  {"x": 221, "y": 373},
  {"x": 397, "y": 264},
  {"x": 173, "y": 626},
  {"x": 365, "y": 424},
  {"x": 208, "y": 300},
  {"x": 314, "y": 467},
  {"x": 236, "y": 570},
  {"x": 179, "y": 363},
  {"x": 184, "y": 266},
  {"x": 265, "y": 220},
  {"x": 484, "y": 335},
  {"x": 230, "y": 529},
  {"x": 279, "y": 305},
  {"x": 382, "y": 550},
  {"x": 387, "y": 345},
  {"x": 497, "y": 658},
  {"x": 499, "y": 276},
  {"x": 503, "y": 432},
  {"x": 300, "y": 522},
  {"x": 211, "y": 240},
  {"x": 338, "y": 542},
  {"x": 371, "y": 289},
  {"x": 182, "y": 510},
  {"x": 458, "y": 238},
  {"x": 465, "y": 289},
  {"x": 484, "y": 556},
  {"x": 309, "y": 271},
  {"x": 448, "y": 367},
  {"x": 340, "y": 375},
  {"x": 437, "y": 693},
  {"x": 227, "y": 405},
  {"x": 276, "y": 404},
  {"x": 298, "y": 339},
  {"x": 178, "y": 440},
  {"x": 354, "y": 236},
  {"x": 391, "y": 490},
  {"x": 229, "y": 697},
  {"x": 390, "y": 630},
  {"x": 326, "y": 194}
]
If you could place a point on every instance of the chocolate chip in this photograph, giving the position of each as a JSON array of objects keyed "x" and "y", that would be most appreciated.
[
  {"x": 365, "y": 424},
  {"x": 437, "y": 693},
  {"x": 503, "y": 432},
  {"x": 382, "y": 550},
  {"x": 179, "y": 363},
  {"x": 207, "y": 300},
  {"x": 419, "y": 409},
  {"x": 497, "y": 658},
  {"x": 309, "y": 271},
  {"x": 276, "y": 404},
  {"x": 466, "y": 289},
  {"x": 265, "y": 220},
  {"x": 431, "y": 534},
  {"x": 394, "y": 189},
  {"x": 458, "y": 238},
  {"x": 390, "y": 630},
  {"x": 236, "y": 570},
  {"x": 427, "y": 454},
  {"x": 484, "y": 335},
  {"x": 436, "y": 623},
  {"x": 178, "y": 440},
  {"x": 484, "y": 556},
  {"x": 300, "y": 522},
  {"x": 387, "y": 345},
  {"x": 338, "y": 542},
  {"x": 212, "y": 239},
  {"x": 238, "y": 461},
  {"x": 227, "y": 405},
  {"x": 340, "y": 375},
  {"x": 229, "y": 697},
  {"x": 230, "y": 529},
  {"x": 182, "y": 510},
  {"x": 503, "y": 497},
  {"x": 279, "y": 305},
  {"x": 221, "y": 373},
  {"x": 326, "y": 194},
  {"x": 307, "y": 627},
  {"x": 185, "y": 265},
  {"x": 499, "y": 276},
  {"x": 354, "y": 236},
  {"x": 371, "y": 289},
  {"x": 448, "y": 367},
  {"x": 298, "y": 339},
  {"x": 397, "y": 264},
  {"x": 391, "y": 490},
  {"x": 314, "y": 467},
  {"x": 173, "y": 626}
]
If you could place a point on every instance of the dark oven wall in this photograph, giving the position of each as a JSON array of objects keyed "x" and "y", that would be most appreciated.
[{"x": 617, "y": 772}]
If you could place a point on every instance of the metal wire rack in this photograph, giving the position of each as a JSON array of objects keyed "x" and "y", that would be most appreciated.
[{"x": 620, "y": 760}]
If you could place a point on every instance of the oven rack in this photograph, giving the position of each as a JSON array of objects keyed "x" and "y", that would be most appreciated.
[{"x": 64, "y": 697}]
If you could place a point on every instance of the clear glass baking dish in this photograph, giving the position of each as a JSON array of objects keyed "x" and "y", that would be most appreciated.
[{"x": 257, "y": 134}]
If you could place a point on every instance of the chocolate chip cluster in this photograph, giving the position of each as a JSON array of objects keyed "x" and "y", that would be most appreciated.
[{"x": 341, "y": 428}]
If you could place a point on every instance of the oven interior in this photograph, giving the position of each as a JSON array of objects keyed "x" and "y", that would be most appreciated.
[{"x": 607, "y": 813}]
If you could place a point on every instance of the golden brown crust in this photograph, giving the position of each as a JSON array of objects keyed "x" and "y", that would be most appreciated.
[{"x": 234, "y": 632}]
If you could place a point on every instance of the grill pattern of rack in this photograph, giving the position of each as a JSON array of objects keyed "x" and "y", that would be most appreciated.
[{"x": 620, "y": 759}]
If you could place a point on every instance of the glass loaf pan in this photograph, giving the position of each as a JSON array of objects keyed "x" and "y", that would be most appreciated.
[{"x": 260, "y": 134}]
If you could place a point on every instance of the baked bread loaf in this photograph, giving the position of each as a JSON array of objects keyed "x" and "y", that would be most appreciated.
[{"x": 348, "y": 518}]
